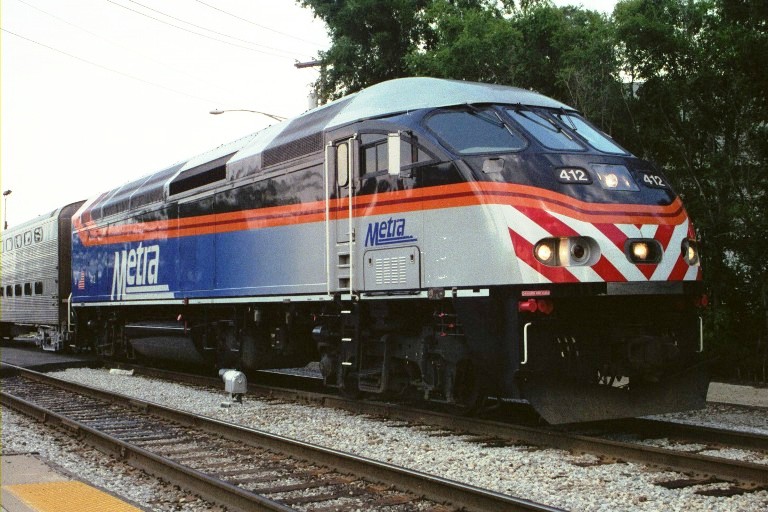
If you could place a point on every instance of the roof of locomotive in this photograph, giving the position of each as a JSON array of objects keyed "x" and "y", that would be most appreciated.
[
  {"x": 405, "y": 94},
  {"x": 303, "y": 135}
]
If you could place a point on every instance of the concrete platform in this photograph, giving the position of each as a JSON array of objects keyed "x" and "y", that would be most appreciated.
[
  {"x": 28, "y": 356},
  {"x": 31, "y": 485}
]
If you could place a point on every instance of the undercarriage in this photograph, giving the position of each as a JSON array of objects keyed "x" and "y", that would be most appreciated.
[{"x": 572, "y": 358}]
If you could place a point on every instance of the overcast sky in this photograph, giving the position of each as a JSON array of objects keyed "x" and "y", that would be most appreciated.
[{"x": 96, "y": 93}]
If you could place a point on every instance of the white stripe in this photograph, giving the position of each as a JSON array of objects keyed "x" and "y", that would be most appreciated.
[
  {"x": 671, "y": 255},
  {"x": 649, "y": 230},
  {"x": 147, "y": 288},
  {"x": 529, "y": 275},
  {"x": 630, "y": 230},
  {"x": 585, "y": 274},
  {"x": 692, "y": 273}
]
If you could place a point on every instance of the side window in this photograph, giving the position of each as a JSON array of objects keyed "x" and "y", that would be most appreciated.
[
  {"x": 27, "y": 289},
  {"x": 17, "y": 290},
  {"x": 342, "y": 164},
  {"x": 375, "y": 154},
  {"x": 9, "y": 291},
  {"x": 38, "y": 287}
]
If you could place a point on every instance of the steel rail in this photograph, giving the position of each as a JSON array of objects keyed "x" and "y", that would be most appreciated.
[
  {"x": 431, "y": 487},
  {"x": 741, "y": 472},
  {"x": 695, "y": 433},
  {"x": 210, "y": 488},
  {"x": 721, "y": 468}
]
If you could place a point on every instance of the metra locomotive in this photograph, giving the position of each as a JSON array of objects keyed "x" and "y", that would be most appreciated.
[{"x": 443, "y": 239}]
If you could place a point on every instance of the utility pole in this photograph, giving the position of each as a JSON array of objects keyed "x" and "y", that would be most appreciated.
[{"x": 5, "y": 214}]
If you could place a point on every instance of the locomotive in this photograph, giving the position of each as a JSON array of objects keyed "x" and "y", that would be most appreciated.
[{"x": 445, "y": 240}]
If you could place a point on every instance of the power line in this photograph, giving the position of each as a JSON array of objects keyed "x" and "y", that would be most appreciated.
[
  {"x": 256, "y": 24},
  {"x": 126, "y": 48},
  {"x": 204, "y": 28},
  {"x": 108, "y": 69},
  {"x": 198, "y": 33}
]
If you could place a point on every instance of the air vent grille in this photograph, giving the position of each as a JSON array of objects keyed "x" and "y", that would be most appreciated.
[{"x": 294, "y": 149}]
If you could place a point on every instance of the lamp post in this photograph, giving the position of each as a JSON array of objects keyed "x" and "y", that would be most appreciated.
[
  {"x": 5, "y": 200},
  {"x": 277, "y": 118}
]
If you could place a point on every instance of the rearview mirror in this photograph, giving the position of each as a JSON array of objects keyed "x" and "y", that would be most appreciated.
[{"x": 393, "y": 151}]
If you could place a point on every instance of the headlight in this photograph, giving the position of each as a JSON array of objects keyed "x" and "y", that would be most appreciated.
[
  {"x": 614, "y": 177},
  {"x": 643, "y": 250},
  {"x": 690, "y": 251},
  {"x": 640, "y": 251},
  {"x": 546, "y": 250},
  {"x": 574, "y": 251}
]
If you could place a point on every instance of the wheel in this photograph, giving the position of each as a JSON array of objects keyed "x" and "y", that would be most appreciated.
[{"x": 468, "y": 391}]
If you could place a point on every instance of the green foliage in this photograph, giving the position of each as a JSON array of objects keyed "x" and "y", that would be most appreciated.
[
  {"x": 681, "y": 82},
  {"x": 370, "y": 39},
  {"x": 700, "y": 112}
]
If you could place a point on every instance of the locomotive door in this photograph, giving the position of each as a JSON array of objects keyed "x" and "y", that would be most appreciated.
[
  {"x": 340, "y": 171},
  {"x": 371, "y": 247}
]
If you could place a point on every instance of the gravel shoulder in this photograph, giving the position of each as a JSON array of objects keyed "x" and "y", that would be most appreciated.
[{"x": 555, "y": 477}]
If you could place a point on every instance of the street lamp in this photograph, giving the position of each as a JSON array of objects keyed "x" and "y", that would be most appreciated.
[
  {"x": 5, "y": 200},
  {"x": 277, "y": 118}
]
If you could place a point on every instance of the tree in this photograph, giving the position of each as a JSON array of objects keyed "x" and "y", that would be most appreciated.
[
  {"x": 700, "y": 112},
  {"x": 369, "y": 41}
]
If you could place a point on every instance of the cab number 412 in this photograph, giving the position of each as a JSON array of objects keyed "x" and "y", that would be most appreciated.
[{"x": 654, "y": 180}]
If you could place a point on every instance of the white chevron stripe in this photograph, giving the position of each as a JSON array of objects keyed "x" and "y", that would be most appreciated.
[
  {"x": 630, "y": 230},
  {"x": 530, "y": 275},
  {"x": 692, "y": 273},
  {"x": 671, "y": 255}
]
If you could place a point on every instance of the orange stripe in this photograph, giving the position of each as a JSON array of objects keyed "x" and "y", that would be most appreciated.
[{"x": 446, "y": 196}]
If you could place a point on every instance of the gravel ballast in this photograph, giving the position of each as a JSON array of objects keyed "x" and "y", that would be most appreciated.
[{"x": 554, "y": 477}]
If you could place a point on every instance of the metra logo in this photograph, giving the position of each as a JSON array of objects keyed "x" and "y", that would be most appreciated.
[
  {"x": 387, "y": 232},
  {"x": 135, "y": 274}
]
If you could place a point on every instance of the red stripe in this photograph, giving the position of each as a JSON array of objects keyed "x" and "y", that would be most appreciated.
[
  {"x": 664, "y": 235},
  {"x": 607, "y": 271},
  {"x": 448, "y": 196},
  {"x": 549, "y": 222},
  {"x": 679, "y": 270}
]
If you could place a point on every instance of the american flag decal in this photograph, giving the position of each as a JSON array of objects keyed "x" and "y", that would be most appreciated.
[{"x": 81, "y": 281}]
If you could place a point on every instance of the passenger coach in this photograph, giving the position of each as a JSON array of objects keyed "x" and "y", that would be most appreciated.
[{"x": 35, "y": 279}]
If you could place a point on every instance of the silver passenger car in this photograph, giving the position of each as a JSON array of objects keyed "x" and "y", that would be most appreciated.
[{"x": 35, "y": 278}]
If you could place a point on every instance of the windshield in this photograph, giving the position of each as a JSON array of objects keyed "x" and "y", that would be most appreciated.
[
  {"x": 479, "y": 131},
  {"x": 544, "y": 129},
  {"x": 596, "y": 138}
]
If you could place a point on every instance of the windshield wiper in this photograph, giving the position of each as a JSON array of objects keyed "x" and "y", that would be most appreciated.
[
  {"x": 566, "y": 119},
  {"x": 550, "y": 125},
  {"x": 485, "y": 116}
]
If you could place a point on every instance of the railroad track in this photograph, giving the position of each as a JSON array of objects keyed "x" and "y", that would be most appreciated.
[
  {"x": 701, "y": 469},
  {"x": 239, "y": 468}
]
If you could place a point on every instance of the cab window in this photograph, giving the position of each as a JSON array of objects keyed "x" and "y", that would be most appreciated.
[
  {"x": 475, "y": 132},
  {"x": 543, "y": 129}
]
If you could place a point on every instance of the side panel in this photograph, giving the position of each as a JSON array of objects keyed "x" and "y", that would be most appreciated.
[
  {"x": 270, "y": 261},
  {"x": 467, "y": 246}
]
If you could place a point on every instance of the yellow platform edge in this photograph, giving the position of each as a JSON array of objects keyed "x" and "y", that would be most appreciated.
[{"x": 67, "y": 496}]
